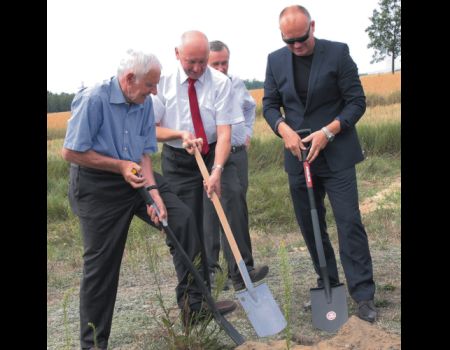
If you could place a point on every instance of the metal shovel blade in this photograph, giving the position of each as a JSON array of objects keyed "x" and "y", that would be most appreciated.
[
  {"x": 329, "y": 314},
  {"x": 262, "y": 310}
]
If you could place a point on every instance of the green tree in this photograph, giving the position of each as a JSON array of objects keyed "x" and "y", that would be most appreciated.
[
  {"x": 59, "y": 102},
  {"x": 253, "y": 84},
  {"x": 385, "y": 31}
]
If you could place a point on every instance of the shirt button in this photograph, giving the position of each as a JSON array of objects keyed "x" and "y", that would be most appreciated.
[
  {"x": 126, "y": 131},
  {"x": 124, "y": 148}
]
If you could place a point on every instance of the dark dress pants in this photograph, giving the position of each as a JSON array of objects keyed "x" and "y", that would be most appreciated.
[
  {"x": 105, "y": 205},
  {"x": 181, "y": 171},
  {"x": 341, "y": 188},
  {"x": 234, "y": 202}
]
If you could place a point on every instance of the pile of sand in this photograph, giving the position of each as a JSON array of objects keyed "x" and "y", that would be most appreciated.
[{"x": 355, "y": 334}]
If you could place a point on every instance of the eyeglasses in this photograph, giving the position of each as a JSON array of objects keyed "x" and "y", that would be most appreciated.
[{"x": 300, "y": 39}]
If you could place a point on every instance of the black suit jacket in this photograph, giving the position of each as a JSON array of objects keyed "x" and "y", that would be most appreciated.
[{"x": 334, "y": 90}]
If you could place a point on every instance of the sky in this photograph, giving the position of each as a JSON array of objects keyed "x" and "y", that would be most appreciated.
[{"x": 87, "y": 38}]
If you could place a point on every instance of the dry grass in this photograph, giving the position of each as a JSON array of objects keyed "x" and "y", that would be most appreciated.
[
  {"x": 381, "y": 84},
  {"x": 257, "y": 95},
  {"x": 381, "y": 114},
  {"x": 57, "y": 120},
  {"x": 372, "y": 116}
]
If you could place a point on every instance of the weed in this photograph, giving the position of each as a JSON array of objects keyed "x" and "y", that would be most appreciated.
[
  {"x": 90, "y": 324},
  {"x": 286, "y": 274},
  {"x": 67, "y": 336}
]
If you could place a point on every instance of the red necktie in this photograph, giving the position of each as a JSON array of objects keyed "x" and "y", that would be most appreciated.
[{"x": 196, "y": 118}]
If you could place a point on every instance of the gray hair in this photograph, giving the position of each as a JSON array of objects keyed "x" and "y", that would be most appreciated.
[
  {"x": 138, "y": 63},
  {"x": 218, "y": 45},
  {"x": 296, "y": 7}
]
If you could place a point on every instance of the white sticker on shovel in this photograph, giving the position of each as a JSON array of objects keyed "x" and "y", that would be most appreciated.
[{"x": 331, "y": 315}]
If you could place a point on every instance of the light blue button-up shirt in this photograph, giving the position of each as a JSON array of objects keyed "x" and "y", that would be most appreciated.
[
  {"x": 104, "y": 122},
  {"x": 243, "y": 103}
]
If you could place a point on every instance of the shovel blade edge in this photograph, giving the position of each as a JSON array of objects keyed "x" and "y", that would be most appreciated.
[
  {"x": 262, "y": 310},
  {"x": 329, "y": 316}
]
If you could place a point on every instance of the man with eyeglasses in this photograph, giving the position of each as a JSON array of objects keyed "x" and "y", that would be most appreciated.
[{"x": 316, "y": 82}]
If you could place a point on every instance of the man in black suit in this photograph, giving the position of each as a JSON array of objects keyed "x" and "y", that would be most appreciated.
[{"x": 316, "y": 83}]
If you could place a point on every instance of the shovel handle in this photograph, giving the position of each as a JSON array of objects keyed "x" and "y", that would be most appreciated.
[
  {"x": 304, "y": 133},
  {"x": 219, "y": 318},
  {"x": 218, "y": 207},
  {"x": 225, "y": 225}
]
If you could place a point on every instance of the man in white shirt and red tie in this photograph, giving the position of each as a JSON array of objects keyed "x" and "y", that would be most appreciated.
[
  {"x": 175, "y": 115},
  {"x": 194, "y": 89}
]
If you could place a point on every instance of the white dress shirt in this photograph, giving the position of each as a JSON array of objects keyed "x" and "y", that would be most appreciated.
[
  {"x": 245, "y": 104},
  {"x": 171, "y": 104}
]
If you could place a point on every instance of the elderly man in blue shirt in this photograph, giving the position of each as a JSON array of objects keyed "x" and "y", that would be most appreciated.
[{"x": 110, "y": 135}]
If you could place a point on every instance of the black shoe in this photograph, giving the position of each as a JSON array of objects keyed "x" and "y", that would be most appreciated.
[
  {"x": 226, "y": 306},
  {"x": 367, "y": 310},
  {"x": 196, "y": 314},
  {"x": 257, "y": 274}
]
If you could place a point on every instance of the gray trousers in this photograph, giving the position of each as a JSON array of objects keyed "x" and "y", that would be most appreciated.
[
  {"x": 105, "y": 205},
  {"x": 234, "y": 191}
]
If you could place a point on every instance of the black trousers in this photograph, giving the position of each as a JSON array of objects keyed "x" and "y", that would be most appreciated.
[
  {"x": 181, "y": 171},
  {"x": 234, "y": 202},
  {"x": 105, "y": 205},
  {"x": 341, "y": 188}
]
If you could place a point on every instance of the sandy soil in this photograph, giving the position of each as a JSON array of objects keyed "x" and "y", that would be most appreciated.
[{"x": 355, "y": 334}]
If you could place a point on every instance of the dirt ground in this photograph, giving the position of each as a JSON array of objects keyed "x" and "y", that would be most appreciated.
[
  {"x": 136, "y": 327},
  {"x": 355, "y": 334}
]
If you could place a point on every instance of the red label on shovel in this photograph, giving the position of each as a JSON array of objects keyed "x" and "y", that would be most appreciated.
[{"x": 307, "y": 174}]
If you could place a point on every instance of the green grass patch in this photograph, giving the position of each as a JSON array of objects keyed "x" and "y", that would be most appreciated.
[{"x": 382, "y": 138}]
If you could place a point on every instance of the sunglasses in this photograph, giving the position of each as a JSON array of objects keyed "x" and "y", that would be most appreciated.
[{"x": 300, "y": 39}]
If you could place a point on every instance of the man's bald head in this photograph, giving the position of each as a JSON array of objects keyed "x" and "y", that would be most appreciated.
[
  {"x": 193, "y": 53},
  {"x": 297, "y": 30}
]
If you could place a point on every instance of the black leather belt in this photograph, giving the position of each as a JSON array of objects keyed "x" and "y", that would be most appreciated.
[
  {"x": 235, "y": 149},
  {"x": 183, "y": 151}
]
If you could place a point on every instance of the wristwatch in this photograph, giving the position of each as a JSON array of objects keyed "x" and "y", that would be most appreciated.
[{"x": 328, "y": 134}]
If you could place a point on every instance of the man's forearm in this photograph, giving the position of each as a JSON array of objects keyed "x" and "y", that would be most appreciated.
[
  {"x": 147, "y": 170},
  {"x": 223, "y": 145},
  {"x": 166, "y": 134},
  {"x": 92, "y": 159}
]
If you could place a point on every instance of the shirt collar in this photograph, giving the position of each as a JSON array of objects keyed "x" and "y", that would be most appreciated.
[
  {"x": 117, "y": 95},
  {"x": 116, "y": 92},
  {"x": 184, "y": 77}
]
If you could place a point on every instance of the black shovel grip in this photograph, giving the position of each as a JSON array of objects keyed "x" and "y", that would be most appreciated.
[
  {"x": 221, "y": 320},
  {"x": 304, "y": 133}
]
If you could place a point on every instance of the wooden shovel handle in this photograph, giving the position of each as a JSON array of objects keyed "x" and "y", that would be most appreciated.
[{"x": 219, "y": 210}]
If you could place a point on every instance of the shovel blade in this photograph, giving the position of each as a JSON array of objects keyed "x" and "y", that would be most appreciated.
[
  {"x": 262, "y": 310},
  {"x": 329, "y": 316}
]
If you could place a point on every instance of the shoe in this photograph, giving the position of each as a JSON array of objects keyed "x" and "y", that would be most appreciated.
[
  {"x": 367, "y": 310},
  {"x": 226, "y": 306},
  {"x": 257, "y": 274},
  {"x": 196, "y": 314}
]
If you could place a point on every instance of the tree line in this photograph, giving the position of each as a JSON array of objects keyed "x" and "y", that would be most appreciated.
[{"x": 61, "y": 102}]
